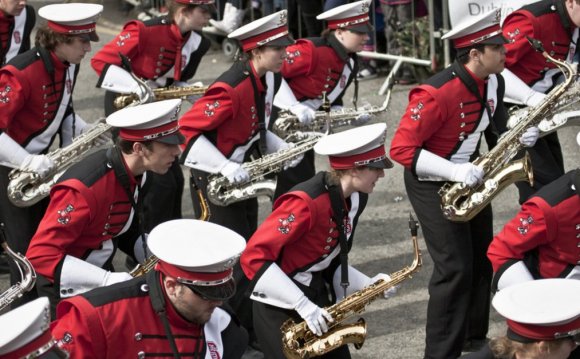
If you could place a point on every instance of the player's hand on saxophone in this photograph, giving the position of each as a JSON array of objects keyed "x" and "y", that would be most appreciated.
[{"x": 315, "y": 317}]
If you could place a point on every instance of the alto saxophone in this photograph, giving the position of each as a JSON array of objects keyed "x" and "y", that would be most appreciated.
[
  {"x": 27, "y": 188},
  {"x": 223, "y": 193},
  {"x": 162, "y": 93},
  {"x": 459, "y": 202},
  {"x": 27, "y": 274},
  {"x": 287, "y": 123},
  {"x": 152, "y": 260},
  {"x": 298, "y": 341}
]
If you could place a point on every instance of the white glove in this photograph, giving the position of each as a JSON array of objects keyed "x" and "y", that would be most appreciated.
[
  {"x": 315, "y": 317},
  {"x": 518, "y": 90},
  {"x": 116, "y": 277},
  {"x": 431, "y": 167},
  {"x": 361, "y": 119},
  {"x": 389, "y": 292},
  {"x": 235, "y": 173},
  {"x": 530, "y": 137},
  {"x": 304, "y": 113},
  {"x": 190, "y": 98},
  {"x": 467, "y": 173},
  {"x": 335, "y": 108},
  {"x": 40, "y": 164}
]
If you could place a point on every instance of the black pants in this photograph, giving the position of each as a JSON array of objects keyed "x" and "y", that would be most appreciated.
[
  {"x": 460, "y": 285},
  {"x": 547, "y": 163},
  {"x": 294, "y": 175},
  {"x": 20, "y": 225}
]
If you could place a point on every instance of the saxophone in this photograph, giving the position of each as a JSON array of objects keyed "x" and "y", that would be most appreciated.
[
  {"x": 287, "y": 123},
  {"x": 459, "y": 202},
  {"x": 223, "y": 193},
  {"x": 298, "y": 341},
  {"x": 162, "y": 93},
  {"x": 152, "y": 260},
  {"x": 27, "y": 188},
  {"x": 26, "y": 272}
]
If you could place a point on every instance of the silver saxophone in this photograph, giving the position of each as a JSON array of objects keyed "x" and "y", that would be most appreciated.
[
  {"x": 223, "y": 193},
  {"x": 287, "y": 123},
  {"x": 27, "y": 274},
  {"x": 27, "y": 188},
  {"x": 566, "y": 112}
]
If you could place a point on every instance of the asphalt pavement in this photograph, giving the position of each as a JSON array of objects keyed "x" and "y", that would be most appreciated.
[{"x": 382, "y": 244}]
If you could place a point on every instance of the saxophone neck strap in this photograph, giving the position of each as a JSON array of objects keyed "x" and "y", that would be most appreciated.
[
  {"x": 339, "y": 214},
  {"x": 259, "y": 100},
  {"x": 576, "y": 181},
  {"x": 158, "y": 304}
]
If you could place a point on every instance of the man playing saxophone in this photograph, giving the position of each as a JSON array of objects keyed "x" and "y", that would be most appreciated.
[
  {"x": 317, "y": 65},
  {"x": 555, "y": 23},
  {"x": 97, "y": 204},
  {"x": 36, "y": 106},
  {"x": 301, "y": 249},
  {"x": 438, "y": 137}
]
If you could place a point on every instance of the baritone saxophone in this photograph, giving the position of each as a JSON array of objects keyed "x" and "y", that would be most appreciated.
[
  {"x": 298, "y": 341},
  {"x": 459, "y": 202},
  {"x": 27, "y": 274}
]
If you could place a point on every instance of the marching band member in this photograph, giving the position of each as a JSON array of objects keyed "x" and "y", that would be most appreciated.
[
  {"x": 438, "y": 136},
  {"x": 543, "y": 321},
  {"x": 302, "y": 247},
  {"x": 26, "y": 332},
  {"x": 36, "y": 105},
  {"x": 17, "y": 20},
  {"x": 229, "y": 124},
  {"x": 174, "y": 310},
  {"x": 96, "y": 200},
  {"x": 543, "y": 239},
  {"x": 166, "y": 51},
  {"x": 322, "y": 64},
  {"x": 555, "y": 23}
]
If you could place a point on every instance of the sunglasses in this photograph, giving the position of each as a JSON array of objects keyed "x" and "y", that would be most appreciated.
[{"x": 574, "y": 335}]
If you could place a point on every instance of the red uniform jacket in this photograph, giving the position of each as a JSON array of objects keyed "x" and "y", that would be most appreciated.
[
  {"x": 119, "y": 322},
  {"x": 445, "y": 117},
  {"x": 228, "y": 112},
  {"x": 35, "y": 96},
  {"x": 300, "y": 234},
  {"x": 88, "y": 207},
  {"x": 545, "y": 233},
  {"x": 15, "y": 33},
  {"x": 316, "y": 65},
  {"x": 547, "y": 21},
  {"x": 156, "y": 49}
]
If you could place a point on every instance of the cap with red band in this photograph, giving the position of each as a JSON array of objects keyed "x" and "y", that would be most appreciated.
[
  {"x": 75, "y": 19},
  {"x": 156, "y": 121},
  {"x": 198, "y": 254},
  {"x": 360, "y": 146},
  {"x": 483, "y": 29},
  {"x": 544, "y": 309},
  {"x": 271, "y": 30},
  {"x": 196, "y": 2},
  {"x": 26, "y": 331},
  {"x": 353, "y": 17}
]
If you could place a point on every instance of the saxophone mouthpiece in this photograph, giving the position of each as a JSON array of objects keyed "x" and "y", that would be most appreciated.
[
  {"x": 536, "y": 44},
  {"x": 413, "y": 225}
]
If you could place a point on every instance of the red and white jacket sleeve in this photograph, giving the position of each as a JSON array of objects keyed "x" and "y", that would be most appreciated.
[
  {"x": 421, "y": 120},
  {"x": 126, "y": 43}
]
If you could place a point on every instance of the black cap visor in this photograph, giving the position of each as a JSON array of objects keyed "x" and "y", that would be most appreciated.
[
  {"x": 220, "y": 292},
  {"x": 384, "y": 163},
  {"x": 176, "y": 138},
  {"x": 285, "y": 40},
  {"x": 363, "y": 28}
]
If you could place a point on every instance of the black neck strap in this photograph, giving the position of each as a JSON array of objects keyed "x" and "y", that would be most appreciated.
[
  {"x": 577, "y": 181},
  {"x": 158, "y": 303},
  {"x": 339, "y": 215},
  {"x": 116, "y": 159},
  {"x": 259, "y": 99}
]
